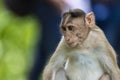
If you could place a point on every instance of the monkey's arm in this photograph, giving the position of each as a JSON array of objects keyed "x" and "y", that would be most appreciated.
[
  {"x": 107, "y": 58},
  {"x": 55, "y": 68},
  {"x": 60, "y": 75},
  {"x": 105, "y": 77},
  {"x": 109, "y": 63}
]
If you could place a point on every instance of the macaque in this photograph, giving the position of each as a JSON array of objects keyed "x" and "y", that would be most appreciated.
[{"x": 83, "y": 52}]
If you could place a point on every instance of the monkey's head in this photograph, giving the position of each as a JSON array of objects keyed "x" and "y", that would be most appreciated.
[{"x": 75, "y": 26}]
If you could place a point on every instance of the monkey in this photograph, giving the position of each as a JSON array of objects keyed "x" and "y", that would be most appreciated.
[{"x": 83, "y": 53}]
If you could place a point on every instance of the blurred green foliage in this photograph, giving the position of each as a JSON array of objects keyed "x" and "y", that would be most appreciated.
[{"x": 17, "y": 42}]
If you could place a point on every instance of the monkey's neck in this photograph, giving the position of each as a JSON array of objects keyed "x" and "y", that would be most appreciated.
[{"x": 95, "y": 27}]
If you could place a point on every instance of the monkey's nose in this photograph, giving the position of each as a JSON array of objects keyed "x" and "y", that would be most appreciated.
[{"x": 68, "y": 39}]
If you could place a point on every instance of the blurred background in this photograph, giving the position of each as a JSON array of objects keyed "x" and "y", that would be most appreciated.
[{"x": 29, "y": 32}]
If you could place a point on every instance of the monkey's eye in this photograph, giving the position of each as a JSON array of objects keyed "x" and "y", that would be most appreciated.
[
  {"x": 70, "y": 28},
  {"x": 63, "y": 28}
]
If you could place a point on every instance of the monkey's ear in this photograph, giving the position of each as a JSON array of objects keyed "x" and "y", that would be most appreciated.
[{"x": 90, "y": 19}]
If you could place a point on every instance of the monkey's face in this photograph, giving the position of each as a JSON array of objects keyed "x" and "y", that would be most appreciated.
[{"x": 74, "y": 31}]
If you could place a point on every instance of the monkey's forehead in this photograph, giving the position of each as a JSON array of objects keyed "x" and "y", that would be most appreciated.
[
  {"x": 72, "y": 21},
  {"x": 74, "y": 13}
]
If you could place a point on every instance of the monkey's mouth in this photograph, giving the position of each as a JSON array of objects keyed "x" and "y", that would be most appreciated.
[{"x": 72, "y": 44}]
